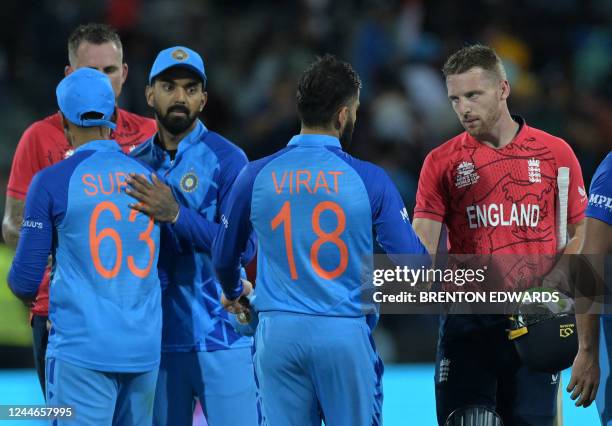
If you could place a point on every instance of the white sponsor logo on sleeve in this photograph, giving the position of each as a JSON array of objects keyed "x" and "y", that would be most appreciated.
[
  {"x": 31, "y": 224},
  {"x": 600, "y": 201},
  {"x": 404, "y": 214}
]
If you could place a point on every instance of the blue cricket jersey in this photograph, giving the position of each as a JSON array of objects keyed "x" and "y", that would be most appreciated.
[
  {"x": 600, "y": 193},
  {"x": 201, "y": 174},
  {"x": 313, "y": 208},
  {"x": 105, "y": 294}
]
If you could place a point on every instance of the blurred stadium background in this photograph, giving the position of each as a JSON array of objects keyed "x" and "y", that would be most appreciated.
[{"x": 558, "y": 57}]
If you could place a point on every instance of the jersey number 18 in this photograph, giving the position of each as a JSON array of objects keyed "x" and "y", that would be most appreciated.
[{"x": 284, "y": 217}]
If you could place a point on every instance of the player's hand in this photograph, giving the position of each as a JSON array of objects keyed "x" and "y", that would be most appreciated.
[
  {"x": 558, "y": 279},
  {"x": 241, "y": 304},
  {"x": 155, "y": 198},
  {"x": 585, "y": 377}
]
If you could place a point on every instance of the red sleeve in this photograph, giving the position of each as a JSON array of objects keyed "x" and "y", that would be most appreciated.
[
  {"x": 577, "y": 196},
  {"x": 430, "y": 199},
  {"x": 26, "y": 163}
]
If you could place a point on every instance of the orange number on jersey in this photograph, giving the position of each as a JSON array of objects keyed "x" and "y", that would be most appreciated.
[
  {"x": 332, "y": 237},
  {"x": 146, "y": 237},
  {"x": 284, "y": 216},
  {"x": 96, "y": 238}
]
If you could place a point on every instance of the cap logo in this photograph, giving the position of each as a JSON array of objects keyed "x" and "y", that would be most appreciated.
[{"x": 179, "y": 54}]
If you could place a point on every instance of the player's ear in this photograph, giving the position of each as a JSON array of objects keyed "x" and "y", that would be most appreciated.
[
  {"x": 64, "y": 121},
  {"x": 68, "y": 69},
  {"x": 66, "y": 128},
  {"x": 124, "y": 72},
  {"x": 505, "y": 90},
  {"x": 343, "y": 116},
  {"x": 149, "y": 95},
  {"x": 105, "y": 132},
  {"x": 204, "y": 100}
]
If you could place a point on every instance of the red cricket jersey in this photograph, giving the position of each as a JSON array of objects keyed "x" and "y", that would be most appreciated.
[
  {"x": 500, "y": 201},
  {"x": 44, "y": 144}
]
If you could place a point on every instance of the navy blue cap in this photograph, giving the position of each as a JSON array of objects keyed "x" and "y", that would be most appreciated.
[
  {"x": 83, "y": 91},
  {"x": 178, "y": 56}
]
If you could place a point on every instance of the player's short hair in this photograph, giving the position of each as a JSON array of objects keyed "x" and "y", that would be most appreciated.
[
  {"x": 326, "y": 85},
  {"x": 476, "y": 55},
  {"x": 93, "y": 33}
]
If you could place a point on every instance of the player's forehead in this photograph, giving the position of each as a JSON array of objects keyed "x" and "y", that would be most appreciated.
[
  {"x": 473, "y": 79},
  {"x": 98, "y": 55},
  {"x": 179, "y": 76}
]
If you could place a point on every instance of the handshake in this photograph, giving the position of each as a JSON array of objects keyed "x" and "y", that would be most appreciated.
[{"x": 242, "y": 314}]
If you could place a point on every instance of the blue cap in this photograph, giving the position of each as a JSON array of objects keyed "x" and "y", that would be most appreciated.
[
  {"x": 86, "y": 90},
  {"x": 178, "y": 56}
]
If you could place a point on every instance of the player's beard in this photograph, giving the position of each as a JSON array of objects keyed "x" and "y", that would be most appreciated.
[
  {"x": 176, "y": 124},
  {"x": 346, "y": 137},
  {"x": 487, "y": 122}
]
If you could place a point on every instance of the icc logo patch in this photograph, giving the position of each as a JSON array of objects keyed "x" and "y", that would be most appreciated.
[
  {"x": 566, "y": 330},
  {"x": 189, "y": 182},
  {"x": 466, "y": 174},
  {"x": 180, "y": 54}
]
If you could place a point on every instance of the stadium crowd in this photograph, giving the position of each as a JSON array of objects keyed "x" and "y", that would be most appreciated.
[{"x": 558, "y": 61}]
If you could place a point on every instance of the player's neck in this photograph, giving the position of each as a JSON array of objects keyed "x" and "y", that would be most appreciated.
[
  {"x": 504, "y": 132},
  {"x": 84, "y": 135},
  {"x": 305, "y": 130}
]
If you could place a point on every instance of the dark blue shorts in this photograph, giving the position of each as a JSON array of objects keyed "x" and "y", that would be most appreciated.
[
  {"x": 40, "y": 338},
  {"x": 482, "y": 367}
]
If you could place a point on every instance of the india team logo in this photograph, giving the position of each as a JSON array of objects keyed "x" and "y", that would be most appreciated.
[
  {"x": 180, "y": 54},
  {"x": 533, "y": 169},
  {"x": 466, "y": 174},
  {"x": 189, "y": 182}
]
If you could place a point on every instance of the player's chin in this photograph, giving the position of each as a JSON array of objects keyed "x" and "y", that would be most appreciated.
[{"x": 474, "y": 131}]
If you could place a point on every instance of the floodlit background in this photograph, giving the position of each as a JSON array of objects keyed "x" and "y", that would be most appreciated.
[{"x": 558, "y": 58}]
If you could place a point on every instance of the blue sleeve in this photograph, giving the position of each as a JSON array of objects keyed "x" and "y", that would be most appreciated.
[
  {"x": 195, "y": 229},
  {"x": 35, "y": 242},
  {"x": 233, "y": 167},
  {"x": 390, "y": 218},
  {"x": 600, "y": 194},
  {"x": 235, "y": 234}
]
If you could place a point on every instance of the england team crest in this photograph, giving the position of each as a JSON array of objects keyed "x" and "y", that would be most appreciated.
[
  {"x": 533, "y": 170},
  {"x": 189, "y": 182}
]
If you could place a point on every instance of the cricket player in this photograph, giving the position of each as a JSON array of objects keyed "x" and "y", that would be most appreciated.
[
  {"x": 95, "y": 46},
  {"x": 105, "y": 302},
  {"x": 313, "y": 208},
  {"x": 594, "y": 352},
  {"x": 202, "y": 355},
  {"x": 494, "y": 187}
]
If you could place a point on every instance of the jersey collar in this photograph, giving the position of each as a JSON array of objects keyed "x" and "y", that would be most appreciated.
[
  {"x": 104, "y": 145},
  {"x": 315, "y": 140},
  {"x": 192, "y": 137}
]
